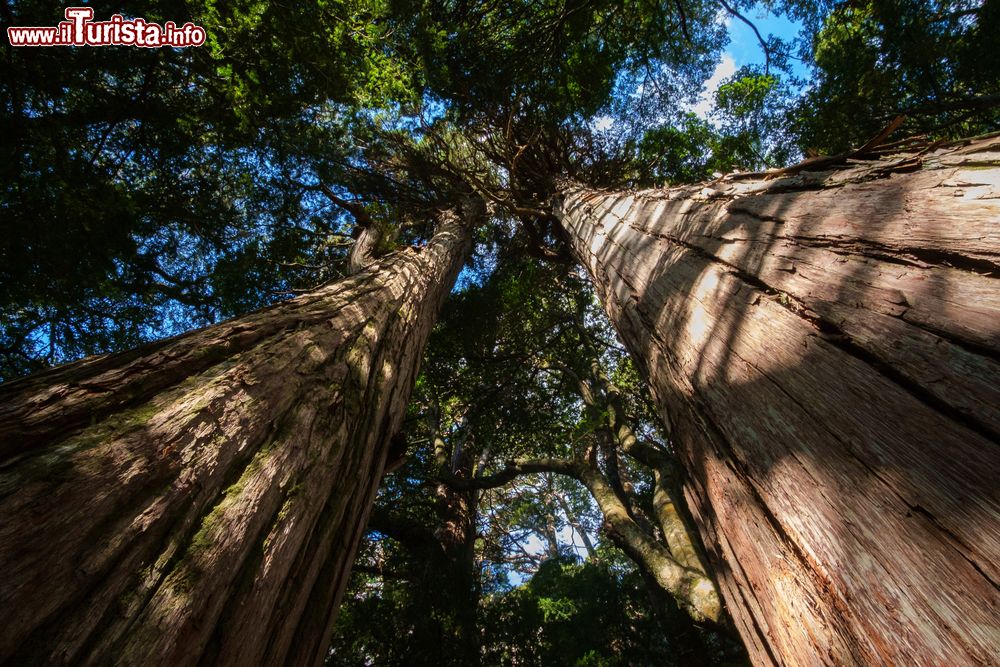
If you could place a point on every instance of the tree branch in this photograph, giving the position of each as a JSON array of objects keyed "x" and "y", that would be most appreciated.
[
  {"x": 763, "y": 44},
  {"x": 361, "y": 216},
  {"x": 515, "y": 469}
]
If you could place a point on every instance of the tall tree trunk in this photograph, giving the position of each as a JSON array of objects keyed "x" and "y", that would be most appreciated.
[
  {"x": 825, "y": 348},
  {"x": 201, "y": 499},
  {"x": 457, "y": 574},
  {"x": 444, "y": 575}
]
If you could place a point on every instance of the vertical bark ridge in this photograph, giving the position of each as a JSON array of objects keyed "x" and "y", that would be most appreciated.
[
  {"x": 824, "y": 348},
  {"x": 201, "y": 499}
]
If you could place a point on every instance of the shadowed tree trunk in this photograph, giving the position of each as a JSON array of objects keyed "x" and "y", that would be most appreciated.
[
  {"x": 444, "y": 573},
  {"x": 445, "y": 577},
  {"x": 825, "y": 349},
  {"x": 201, "y": 499},
  {"x": 458, "y": 573}
]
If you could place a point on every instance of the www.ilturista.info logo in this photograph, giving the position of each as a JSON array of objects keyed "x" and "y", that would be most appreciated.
[{"x": 80, "y": 30}]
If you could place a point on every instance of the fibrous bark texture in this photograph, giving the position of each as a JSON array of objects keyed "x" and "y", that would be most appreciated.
[
  {"x": 825, "y": 348},
  {"x": 200, "y": 500}
]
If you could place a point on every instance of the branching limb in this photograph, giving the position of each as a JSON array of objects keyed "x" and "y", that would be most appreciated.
[
  {"x": 515, "y": 469},
  {"x": 360, "y": 215},
  {"x": 760, "y": 38}
]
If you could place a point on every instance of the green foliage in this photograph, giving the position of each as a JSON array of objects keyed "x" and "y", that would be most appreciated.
[
  {"x": 745, "y": 132},
  {"x": 684, "y": 154},
  {"x": 392, "y": 621},
  {"x": 751, "y": 108},
  {"x": 569, "y": 613},
  {"x": 145, "y": 191},
  {"x": 744, "y": 95},
  {"x": 876, "y": 59},
  {"x": 573, "y": 613},
  {"x": 560, "y": 58}
]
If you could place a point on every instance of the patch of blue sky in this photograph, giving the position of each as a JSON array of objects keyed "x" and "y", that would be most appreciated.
[
  {"x": 744, "y": 49},
  {"x": 537, "y": 547},
  {"x": 466, "y": 277},
  {"x": 476, "y": 272},
  {"x": 396, "y": 116}
]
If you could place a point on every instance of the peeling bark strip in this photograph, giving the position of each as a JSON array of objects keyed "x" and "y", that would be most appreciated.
[
  {"x": 201, "y": 500},
  {"x": 826, "y": 350}
]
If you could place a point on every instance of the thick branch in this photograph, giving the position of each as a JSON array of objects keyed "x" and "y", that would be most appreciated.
[
  {"x": 694, "y": 591},
  {"x": 515, "y": 469},
  {"x": 361, "y": 216}
]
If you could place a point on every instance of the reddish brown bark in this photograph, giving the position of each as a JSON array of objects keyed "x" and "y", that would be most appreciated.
[
  {"x": 201, "y": 499},
  {"x": 825, "y": 348}
]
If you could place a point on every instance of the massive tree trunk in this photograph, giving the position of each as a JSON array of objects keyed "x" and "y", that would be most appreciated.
[
  {"x": 825, "y": 348},
  {"x": 201, "y": 499}
]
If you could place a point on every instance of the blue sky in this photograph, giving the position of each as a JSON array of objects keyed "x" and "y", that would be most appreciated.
[{"x": 744, "y": 49}]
